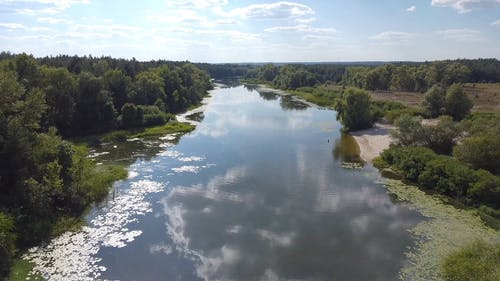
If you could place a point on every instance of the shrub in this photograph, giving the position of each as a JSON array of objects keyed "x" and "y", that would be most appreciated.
[
  {"x": 410, "y": 161},
  {"x": 481, "y": 152},
  {"x": 457, "y": 103},
  {"x": 447, "y": 176},
  {"x": 479, "y": 261}
]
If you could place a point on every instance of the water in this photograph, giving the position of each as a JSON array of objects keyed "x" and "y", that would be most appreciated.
[{"x": 258, "y": 191}]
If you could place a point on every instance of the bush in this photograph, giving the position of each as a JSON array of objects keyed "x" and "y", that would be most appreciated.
[
  {"x": 394, "y": 114},
  {"x": 481, "y": 152},
  {"x": 479, "y": 261},
  {"x": 486, "y": 189},
  {"x": 409, "y": 161},
  {"x": 457, "y": 103},
  {"x": 447, "y": 176},
  {"x": 434, "y": 100}
]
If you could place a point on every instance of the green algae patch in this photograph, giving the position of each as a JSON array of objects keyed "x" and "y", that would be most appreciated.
[
  {"x": 446, "y": 230},
  {"x": 169, "y": 128}
]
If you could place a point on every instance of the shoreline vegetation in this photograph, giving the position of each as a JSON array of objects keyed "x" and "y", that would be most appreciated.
[
  {"x": 454, "y": 181},
  {"x": 52, "y": 111},
  {"x": 47, "y": 183}
]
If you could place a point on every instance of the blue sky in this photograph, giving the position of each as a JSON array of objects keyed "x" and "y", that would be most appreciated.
[{"x": 254, "y": 31}]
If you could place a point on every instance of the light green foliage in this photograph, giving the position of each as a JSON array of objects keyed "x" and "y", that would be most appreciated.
[
  {"x": 457, "y": 103},
  {"x": 440, "y": 137},
  {"x": 169, "y": 128},
  {"x": 22, "y": 271},
  {"x": 353, "y": 110},
  {"x": 317, "y": 95},
  {"x": 409, "y": 130},
  {"x": 434, "y": 100},
  {"x": 479, "y": 261}
]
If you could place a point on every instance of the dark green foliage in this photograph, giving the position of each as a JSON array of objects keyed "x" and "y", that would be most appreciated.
[
  {"x": 457, "y": 103},
  {"x": 409, "y": 161},
  {"x": 434, "y": 101},
  {"x": 132, "y": 116},
  {"x": 353, "y": 110},
  {"x": 45, "y": 182},
  {"x": 447, "y": 176},
  {"x": 7, "y": 243},
  {"x": 442, "y": 174},
  {"x": 479, "y": 261},
  {"x": 380, "y": 109}
]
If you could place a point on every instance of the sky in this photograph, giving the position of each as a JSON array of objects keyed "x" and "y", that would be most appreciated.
[{"x": 254, "y": 31}]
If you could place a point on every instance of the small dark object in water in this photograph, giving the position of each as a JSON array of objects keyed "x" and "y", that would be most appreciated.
[{"x": 328, "y": 140}]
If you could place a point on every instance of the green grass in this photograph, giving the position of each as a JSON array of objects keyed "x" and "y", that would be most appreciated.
[
  {"x": 20, "y": 271},
  {"x": 317, "y": 96},
  {"x": 169, "y": 128}
]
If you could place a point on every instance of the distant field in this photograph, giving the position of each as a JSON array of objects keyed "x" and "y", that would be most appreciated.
[{"x": 486, "y": 96}]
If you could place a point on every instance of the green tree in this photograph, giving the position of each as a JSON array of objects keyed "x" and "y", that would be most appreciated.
[
  {"x": 132, "y": 116},
  {"x": 434, "y": 100},
  {"x": 481, "y": 152},
  {"x": 457, "y": 103},
  {"x": 353, "y": 110},
  {"x": 442, "y": 136},
  {"x": 118, "y": 84},
  {"x": 7, "y": 243},
  {"x": 409, "y": 131}
]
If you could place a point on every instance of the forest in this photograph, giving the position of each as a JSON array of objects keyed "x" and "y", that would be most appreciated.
[{"x": 47, "y": 182}]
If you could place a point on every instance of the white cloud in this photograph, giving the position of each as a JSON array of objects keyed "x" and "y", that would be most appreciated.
[
  {"x": 43, "y": 6},
  {"x": 12, "y": 25},
  {"x": 51, "y": 20},
  {"x": 461, "y": 35},
  {"x": 496, "y": 23},
  {"x": 300, "y": 28},
  {"x": 411, "y": 9},
  {"x": 196, "y": 4},
  {"x": 392, "y": 36},
  {"x": 276, "y": 10},
  {"x": 464, "y": 6}
]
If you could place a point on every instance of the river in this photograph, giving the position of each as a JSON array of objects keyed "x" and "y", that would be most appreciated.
[{"x": 259, "y": 191}]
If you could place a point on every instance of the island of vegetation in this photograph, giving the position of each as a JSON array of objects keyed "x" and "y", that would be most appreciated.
[{"x": 46, "y": 181}]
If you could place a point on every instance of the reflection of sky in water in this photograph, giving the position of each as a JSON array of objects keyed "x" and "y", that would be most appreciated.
[{"x": 254, "y": 193}]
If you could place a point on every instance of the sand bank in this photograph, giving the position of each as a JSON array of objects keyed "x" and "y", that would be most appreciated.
[{"x": 373, "y": 141}]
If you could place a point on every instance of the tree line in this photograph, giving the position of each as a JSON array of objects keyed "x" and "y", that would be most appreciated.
[
  {"x": 403, "y": 76},
  {"x": 47, "y": 182}
]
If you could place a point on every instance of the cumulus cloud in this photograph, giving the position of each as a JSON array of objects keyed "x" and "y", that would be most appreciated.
[
  {"x": 464, "y": 6},
  {"x": 461, "y": 35},
  {"x": 197, "y": 4},
  {"x": 496, "y": 23},
  {"x": 411, "y": 9}
]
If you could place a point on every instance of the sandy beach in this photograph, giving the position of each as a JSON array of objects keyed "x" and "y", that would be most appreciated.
[{"x": 373, "y": 141}]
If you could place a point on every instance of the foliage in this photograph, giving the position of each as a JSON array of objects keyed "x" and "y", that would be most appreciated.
[
  {"x": 353, "y": 110},
  {"x": 481, "y": 152},
  {"x": 440, "y": 137},
  {"x": 169, "y": 128},
  {"x": 457, "y": 103},
  {"x": 434, "y": 101},
  {"x": 443, "y": 174},
  {"x": 479, "y": 261},
  {"x": 7, "y": 243}
]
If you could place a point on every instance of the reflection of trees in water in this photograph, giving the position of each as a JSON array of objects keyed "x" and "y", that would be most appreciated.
[
  {"x": 289, "y": 103},
  {"x": 228, "y": 82},
  {"x": 198, "y": 116},
  {"x": 346, "y": 149},
  {"x": 251, "y": 87},
  {"x": 268, "y": 95}
]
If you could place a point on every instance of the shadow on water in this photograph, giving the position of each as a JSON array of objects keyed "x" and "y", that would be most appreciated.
[{"x": 289, "y": 103}]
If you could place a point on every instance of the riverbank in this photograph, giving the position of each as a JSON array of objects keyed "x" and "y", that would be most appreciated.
[{"x": 373, "y": 141}]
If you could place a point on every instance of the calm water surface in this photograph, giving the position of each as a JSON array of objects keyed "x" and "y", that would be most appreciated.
[{"x": 256, "y": 192}]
